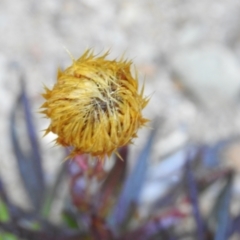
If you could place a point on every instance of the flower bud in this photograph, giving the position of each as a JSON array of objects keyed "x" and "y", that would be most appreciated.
[{"x": 95, "y": 106}]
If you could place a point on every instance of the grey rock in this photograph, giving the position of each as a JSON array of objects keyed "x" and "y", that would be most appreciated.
[{"x": 209, "y": 74}]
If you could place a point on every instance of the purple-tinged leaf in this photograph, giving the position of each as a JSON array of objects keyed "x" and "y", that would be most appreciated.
[
  {"x": 4, "y": 197},
  {"x": 170, "y": 197},
  {"x": 28, "y": 158},
  {"x": 35, "y": 153},
  {"x": 208, "y": 179},
  {"x": 132, "y": 187},
  {"x": 31, "y": 234},
  {"x": 193, "y": 195},
  {"x": 14, "y": 211},
  {"x": 222, "y": 210},
  {"x": 234, "y": 226},
  {"x": 157, "y": 225},
  {"x": 170, "y": 166},
  {"x": 211, "y": 154},
  {"x": 178, "y": 159},
  {"x": 52, "y": 191},
  {"x": 112, "y": 185}
]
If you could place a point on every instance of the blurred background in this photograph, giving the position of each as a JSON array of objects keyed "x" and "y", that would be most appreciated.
[{"x": 187, "y": 51}]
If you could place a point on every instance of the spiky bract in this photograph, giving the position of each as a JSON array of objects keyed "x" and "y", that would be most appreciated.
[{"x": 95, "y": 106}]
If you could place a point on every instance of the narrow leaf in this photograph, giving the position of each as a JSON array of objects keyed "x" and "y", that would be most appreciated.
[
  {"x": 211, "y": 153},
  {"x": 158, "y": 225},
  {"x": 222, "y": 210},
  {"x": 70, "y": 220},
  {"x": 171, "y": 165},
  {"x": 193, "y": 195},
  {"x": 234, "y": 226},
  {"x": 28, "y": 159},
  {"x": 35, "y": 153},
  {"x": 110, "y": 189},
  {"x": 7, "y": 236},
  {"x": 133, "y": 186},
  {"x": 3, "y": 193},
  {"x": 52, "y": 192}
]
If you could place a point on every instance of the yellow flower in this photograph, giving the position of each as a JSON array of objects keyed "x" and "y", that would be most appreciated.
[{"x": 95, "y": 106}]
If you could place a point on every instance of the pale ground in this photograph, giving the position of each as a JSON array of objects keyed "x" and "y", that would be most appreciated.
[{"x": 34, "y": 35}]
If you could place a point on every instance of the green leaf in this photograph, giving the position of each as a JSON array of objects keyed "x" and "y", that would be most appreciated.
[
  {"x": 70, "y": 220},
  {"x": 7, "y": 236},
  {"x": 4, "y": 214},
  {"x": 33, "y": 225}
]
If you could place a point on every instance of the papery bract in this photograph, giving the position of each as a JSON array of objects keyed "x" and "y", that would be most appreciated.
[{"x": 95, "y": 106}]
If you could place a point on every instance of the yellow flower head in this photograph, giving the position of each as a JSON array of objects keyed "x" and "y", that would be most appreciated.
[{"x": 95, "y": 106}]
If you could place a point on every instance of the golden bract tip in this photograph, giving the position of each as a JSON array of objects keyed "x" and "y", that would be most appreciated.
[{"x": 95, "y": 106}]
